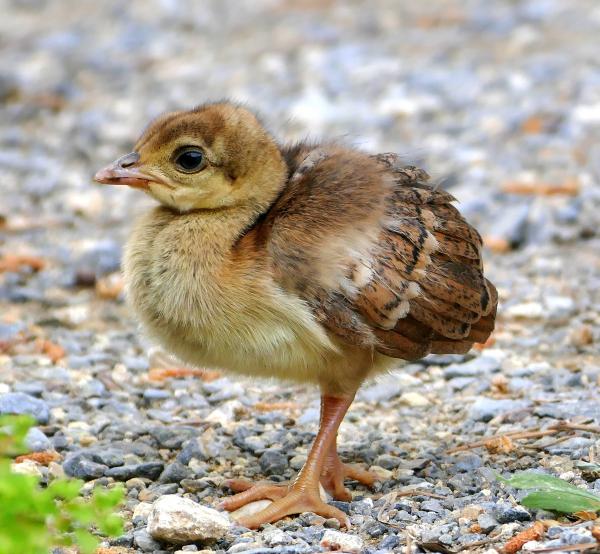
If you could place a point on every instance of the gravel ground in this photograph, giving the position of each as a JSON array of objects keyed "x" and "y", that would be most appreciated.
[{"x": 499, "y": 101}]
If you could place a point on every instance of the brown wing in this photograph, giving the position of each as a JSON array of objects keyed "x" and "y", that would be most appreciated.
[{"x": 384, "y": 259}]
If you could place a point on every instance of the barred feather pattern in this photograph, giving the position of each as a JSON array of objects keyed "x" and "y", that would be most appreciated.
[{"x": 415, "y": 287}]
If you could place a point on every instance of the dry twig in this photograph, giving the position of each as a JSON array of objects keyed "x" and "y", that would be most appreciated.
[
  {"x": 528, "y": 434},
  {"x": 579, "y": 547}
]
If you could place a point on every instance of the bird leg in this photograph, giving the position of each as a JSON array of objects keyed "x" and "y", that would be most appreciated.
[
  {"x": 335, "y": 472},
  {"x": 303, "y": 494},
  {"x": 332, "y": 478}
]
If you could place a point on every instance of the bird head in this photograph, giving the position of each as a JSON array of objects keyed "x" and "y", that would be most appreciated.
[{"x": 211, "y": 157}]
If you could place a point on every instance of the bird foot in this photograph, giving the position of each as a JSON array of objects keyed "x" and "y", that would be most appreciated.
[
  {"x": 335, "y": 472},
  {"x": 251, "y": 492},
  {"x": 287, "y": 500}
]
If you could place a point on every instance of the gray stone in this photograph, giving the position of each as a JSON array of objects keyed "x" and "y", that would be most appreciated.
[
  {"x": 33, "y": 388},
  {"x": 382, "y": 391},
  {"x": 432, "y": 506},
  {"x": 36, "y": 441},
  {"x": 568, "y": 409},
  {"x": 19, "y": 403},
  {"x": 173, "y": 437},
  {"x": 511, "y": 223},
  {"x": 144, "y": 541},
  {"x": 487, "y": 523},
  {"x": 389, "y": 543},
  {"x": 254, "y": 443},
  {"x": 362, "y": 507},
  {"x": 273, "y": 462},
  {"x": 473, "y": 368},
  {"x": 508, "y": 514},
  {"x": 110, "y": 457},
  {"x": 484, "y": 408},
  {"x": 156, "y": 394},
  {"x": 102, "y": 258},
  {"x": 9, "y": 330},
  {"x": 151, "y": 470},
  {"x": 175, "y": 472},
  {"x": 125, "y": 540},
  {"x": 79, "y": 466},
  {"x": 200, "y": 449},
  {"x": 575, "y": 447},
  {"x": 468, "y": 462},
  {"x": 195, "y": 485},
  {"x": 387, "y": 461},
  {"x": 288, "y": 549},
  {"x": 310, "y": 415},
  {"x": 375, "y": 529}
]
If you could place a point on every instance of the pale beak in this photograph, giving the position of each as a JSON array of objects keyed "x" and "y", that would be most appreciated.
[{"x": 124, "y": 172}]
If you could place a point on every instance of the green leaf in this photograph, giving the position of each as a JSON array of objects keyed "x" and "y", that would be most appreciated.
[
  {"x": 552, "y": 493},
  {"x": 567, "y": 503},
  {"x": 106, "y": 499},
  {"x": 12, "y": 434},
  {"x": 66, "y": 489},
  {"x": 111, "y": 526},
  {"x": 35, "y": 518},
  {"x": 86, "y": 541}
]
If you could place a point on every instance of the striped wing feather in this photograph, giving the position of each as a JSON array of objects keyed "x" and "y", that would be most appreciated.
[
  {"x": 455, "y": 305},
  {"x": 419, "y": 288}
]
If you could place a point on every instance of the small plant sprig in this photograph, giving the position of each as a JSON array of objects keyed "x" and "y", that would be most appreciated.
[{"x": 34, "y": 519}]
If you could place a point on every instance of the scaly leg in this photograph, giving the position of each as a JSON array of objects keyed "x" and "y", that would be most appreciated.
[
  {"x": 332, "y": 478},
  {"x": 303, "y": 494},
  {"x": 335, "y": 472}
]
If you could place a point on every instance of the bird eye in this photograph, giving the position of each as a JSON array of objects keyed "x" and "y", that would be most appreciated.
[{"x": 190, "y": 160}]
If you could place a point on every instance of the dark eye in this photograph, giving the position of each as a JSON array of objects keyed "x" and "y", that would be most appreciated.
[{"x": 190, "y": 160}]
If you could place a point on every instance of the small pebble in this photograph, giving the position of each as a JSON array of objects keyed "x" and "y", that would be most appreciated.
[{"x": 337, "y": 540}]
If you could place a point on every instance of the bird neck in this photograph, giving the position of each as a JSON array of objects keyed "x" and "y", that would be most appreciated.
[{"x": 261, "y": 184}]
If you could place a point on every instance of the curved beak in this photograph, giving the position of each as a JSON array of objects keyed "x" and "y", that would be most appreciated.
[{"x": 124, "y": 172}]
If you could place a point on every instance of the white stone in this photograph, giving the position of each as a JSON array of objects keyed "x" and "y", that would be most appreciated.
[
  {"x": 382, "y": 473},
  {"x": 73, "y": 316},
  {"x": 559, "y": 306},
  {"x": 259, "y": 505},
  {"x": 250, "y": 509},
  {"x": 55, "y": 471},
  {"x": 342, "y": 541},
  {"x": 243, "y": 547},
  {"x": 533, "y": 545},
  {"x": 142, "y": 510},
  {"x": 179, "y": 520},
  {"x": 526, "y": 310},
  {"x": 274, "y": 537},
  {"x": 414, "y": 399},
  {"x": 587, "y": 113},
  {"x": 225, "y": 414},
  {"x": 27, "y": 467},
  {"x": 406, "y": 380}
]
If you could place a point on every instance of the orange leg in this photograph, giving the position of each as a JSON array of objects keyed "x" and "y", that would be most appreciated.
[
  {"x": 335, "y": 472},
  {"x": 302, "y": 495}
]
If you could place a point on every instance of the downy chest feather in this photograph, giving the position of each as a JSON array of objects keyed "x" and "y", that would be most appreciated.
[{"x": 191, "y": 298}]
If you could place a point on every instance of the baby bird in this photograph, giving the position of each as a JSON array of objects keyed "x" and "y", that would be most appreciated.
[{"x": 310, "y": 262}]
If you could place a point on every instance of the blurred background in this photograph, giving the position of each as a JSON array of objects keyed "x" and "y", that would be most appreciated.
[
  {"x": 499, "y": 100},
  {"x": 493, "y": 98}
]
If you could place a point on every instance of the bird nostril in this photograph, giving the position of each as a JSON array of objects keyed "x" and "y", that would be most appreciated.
[{"x": 128, "y": 160}]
